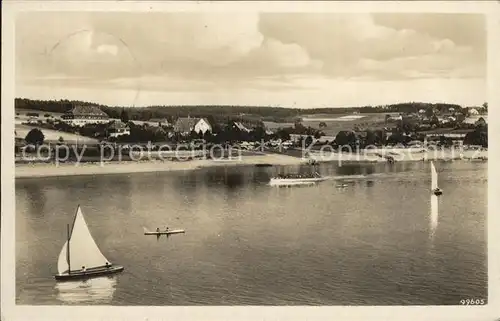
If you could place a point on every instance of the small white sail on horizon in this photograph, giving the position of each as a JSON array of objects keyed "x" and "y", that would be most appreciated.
[
  {"x": 434, "y": 177},
  {"x": 83, "y": 251}
]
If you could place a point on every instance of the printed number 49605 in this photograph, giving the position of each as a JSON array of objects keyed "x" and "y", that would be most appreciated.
[{"x": 472, "y": 302}]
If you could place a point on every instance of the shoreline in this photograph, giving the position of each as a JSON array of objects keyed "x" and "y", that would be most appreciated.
[
  {"x": 40, "y": 170},
  {"x": 129, "y": 167}
]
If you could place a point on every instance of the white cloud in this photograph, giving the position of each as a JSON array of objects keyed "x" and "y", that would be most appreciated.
[
  {"x": 287, "y": 55},
  {"x": 214, "y": 39},
  {"x": 241, "y": 52},
  {"x": 345, "y": 42}
]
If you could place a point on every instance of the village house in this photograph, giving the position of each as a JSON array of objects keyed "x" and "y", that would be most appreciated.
[
  {"x": 185, "y": 125},
  {"x": 476, "y": 120},
  {"x": 160, "y": 122},
  {"x": 19, "y": 143},
  {"x": 473, "y": 111},
  {"x": 240, "y": 127},
  {"x": 455, "y": 135},
  {"x": 82, "y": 115},
  {"x": 393, "y": 118},
  {"x": 117, "y": 128},
  {"x": 18, "y": 139}
]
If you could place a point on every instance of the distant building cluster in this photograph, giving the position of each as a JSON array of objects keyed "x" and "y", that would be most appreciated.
[
  {"x": 325, "y": 128},
  {"x": 82, "y": 115}
]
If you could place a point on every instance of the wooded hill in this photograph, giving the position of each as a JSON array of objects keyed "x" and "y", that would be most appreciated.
[{"x": 226, "y": 112}]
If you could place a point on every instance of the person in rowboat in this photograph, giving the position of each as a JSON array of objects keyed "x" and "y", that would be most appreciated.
[
  {"x": 166, "y": 229},
  {"x": 158, "y": 230}
]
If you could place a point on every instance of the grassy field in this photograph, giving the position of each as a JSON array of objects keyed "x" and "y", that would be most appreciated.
[
  {"x": 273, "y": 125},
  {"x": 340, "y": 122},
  {"x": 22, "y": 113},
  {"x": 52, "y": 136}
]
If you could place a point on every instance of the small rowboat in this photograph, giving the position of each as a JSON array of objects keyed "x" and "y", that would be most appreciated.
[{"x": 164, "y": 232}]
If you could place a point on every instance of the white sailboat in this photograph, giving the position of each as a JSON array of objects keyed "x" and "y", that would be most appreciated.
[
  {"x": 80, "y": 256},
  {"x": 434, "y": 185}
]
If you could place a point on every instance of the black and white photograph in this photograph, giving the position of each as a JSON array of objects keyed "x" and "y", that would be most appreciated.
[{"x": 219, "y": 156}]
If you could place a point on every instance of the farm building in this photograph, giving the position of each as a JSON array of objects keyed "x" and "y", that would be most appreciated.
[
  {"x": 81, "y": 115},
  {"x": 161, "y": 122},
  {"x": 118, "y": 128},
  {"x": 473, "y": 111}
]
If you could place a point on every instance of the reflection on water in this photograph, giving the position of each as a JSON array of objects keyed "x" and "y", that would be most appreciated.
[
  {"x": 434, "y": 215},
  {"x": 96, "y": 291},
  {"x": 38, "y": 198}
]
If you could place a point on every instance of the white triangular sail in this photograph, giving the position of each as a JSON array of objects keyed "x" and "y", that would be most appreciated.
[
  {"x": 83, "y": 251},
  {"x": 434, "y": 177},
  {"x": 62, "y": 262}
]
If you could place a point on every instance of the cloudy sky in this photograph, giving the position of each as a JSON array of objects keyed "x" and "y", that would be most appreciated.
[{"x": 278, "y": 59}]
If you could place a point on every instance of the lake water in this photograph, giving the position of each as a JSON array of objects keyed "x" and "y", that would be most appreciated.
[{"x": 382, "y": 240}]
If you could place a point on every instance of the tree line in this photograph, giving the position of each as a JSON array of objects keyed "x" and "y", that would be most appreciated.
[{"x": 250, "y": 114}]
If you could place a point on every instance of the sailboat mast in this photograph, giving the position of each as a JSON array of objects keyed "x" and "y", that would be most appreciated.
[{"x": 67, "y": 250}]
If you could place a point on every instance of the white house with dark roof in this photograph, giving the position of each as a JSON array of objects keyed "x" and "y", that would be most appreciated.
[
  {"x": 81, "y": 115},
  {"x": 118, "y": 128},
  {"x": 185, "y": 125},
  {"x": 473, "y": 111}
]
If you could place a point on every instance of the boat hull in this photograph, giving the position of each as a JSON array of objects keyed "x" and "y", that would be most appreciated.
[
  {"x": 295, "y": 181},
  {"x": 263, "y": 165},
  {"x": 90, "y": 273},
  {"x": 437, "y": 192},
  {"x": 165, "y": 233}
]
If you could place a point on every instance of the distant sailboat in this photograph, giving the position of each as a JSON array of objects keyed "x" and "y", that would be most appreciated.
[
  {"x": 434, "y": 185},
  {"x": 80, "y": 258}
]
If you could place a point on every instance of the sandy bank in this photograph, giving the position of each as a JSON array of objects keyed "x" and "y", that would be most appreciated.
[{"x": 48, "y": 170}]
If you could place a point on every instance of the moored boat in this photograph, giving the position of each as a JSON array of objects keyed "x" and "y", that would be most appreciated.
[
  {"x": 288, "y": 180},
  {"x": 263, "y": 165}
]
